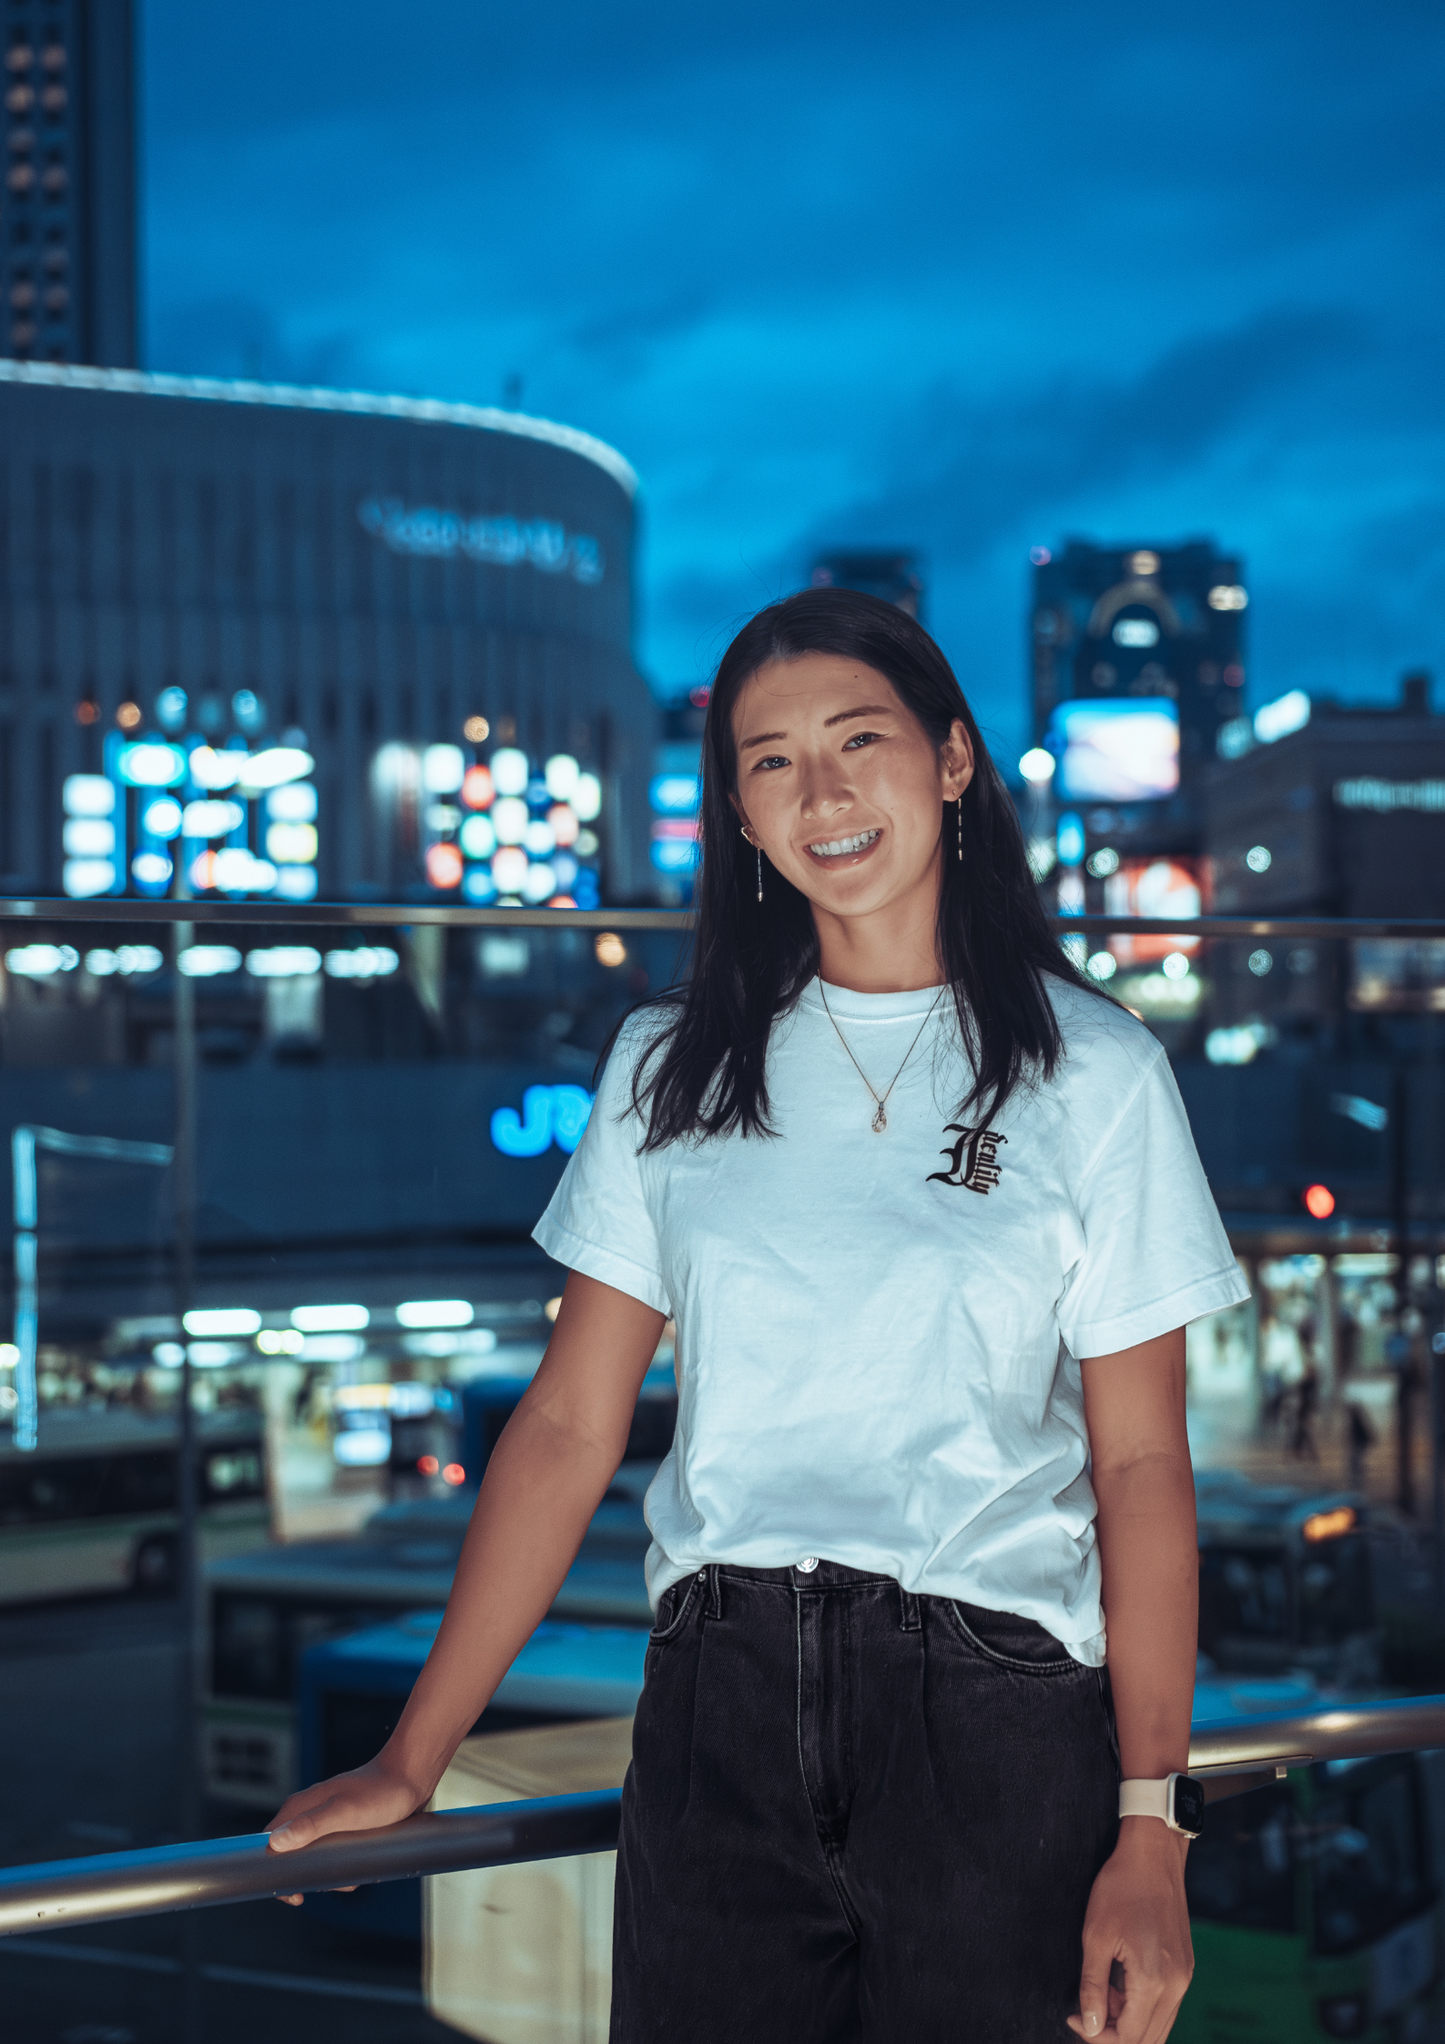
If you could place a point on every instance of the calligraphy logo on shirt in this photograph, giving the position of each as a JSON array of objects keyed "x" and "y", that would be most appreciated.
[{"x": 973, "y": 1159}]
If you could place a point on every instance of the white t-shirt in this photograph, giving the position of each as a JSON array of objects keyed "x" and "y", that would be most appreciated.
[{"x": 878, "y": 1334}]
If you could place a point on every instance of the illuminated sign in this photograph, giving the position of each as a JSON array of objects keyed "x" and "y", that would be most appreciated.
[
  {"x": 1070, "y": 841},
  {"x": 110, "y": 837},
  {"x": 681, "y": 794},
  {"x": 499, "y": 542},
  {"x": 150, "y": 763},
  {"x": 1166, "y": 890},
  {"x": 1116, "y": 751},
  {"x": 1136, "y": 631},
  {"x": 1277, "y": 719},
  {"x": 1385, "y": 796},
  {"x": 550, "y": 1114}
]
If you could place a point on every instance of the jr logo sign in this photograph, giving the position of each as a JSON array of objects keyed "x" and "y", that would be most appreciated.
[{"x": 550, "y": 1114}]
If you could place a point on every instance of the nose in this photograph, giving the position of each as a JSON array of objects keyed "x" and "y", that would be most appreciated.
[{"x": 825, "y": 791}]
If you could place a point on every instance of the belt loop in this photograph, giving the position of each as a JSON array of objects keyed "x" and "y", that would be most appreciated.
[
  {"x": 908, "y": 1614},
  {"x": 713, "y": 1607}
]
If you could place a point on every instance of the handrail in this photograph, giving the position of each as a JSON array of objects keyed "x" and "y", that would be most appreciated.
[
  {"x": 362, "y": 914},
  {"x": 200, "y": 1874},
  {"x": 210, "y": 1871}
]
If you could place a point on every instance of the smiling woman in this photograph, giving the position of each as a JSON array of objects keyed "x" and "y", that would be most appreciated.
[
  {"x": 834, "y": 717},
  {"x": 927, "y": 1218}
]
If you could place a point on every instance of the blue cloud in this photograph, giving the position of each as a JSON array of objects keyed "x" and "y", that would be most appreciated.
[{"x": 963, "y": 277}]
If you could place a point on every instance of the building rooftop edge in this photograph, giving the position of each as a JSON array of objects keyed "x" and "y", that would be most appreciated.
[{"x": 303, "y": 397}]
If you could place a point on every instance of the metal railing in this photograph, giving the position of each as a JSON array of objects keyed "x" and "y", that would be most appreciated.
[
  {"x": 62, "y": 1893},
  {"x": 337, "y": 914}
]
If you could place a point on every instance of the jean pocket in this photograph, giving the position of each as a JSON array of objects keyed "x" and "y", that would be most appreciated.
[
  {"x": 672, "y": 1609},
  {"x": 1010, "y": 1641}
]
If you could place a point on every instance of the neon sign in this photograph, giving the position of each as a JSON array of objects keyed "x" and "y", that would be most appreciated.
[
  {"x": 550, "y": 1114},
  {"x": 500, "y": 542}
]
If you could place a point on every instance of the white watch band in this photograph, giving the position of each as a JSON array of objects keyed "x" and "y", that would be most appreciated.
[{"x": 1148, "y": 1799}]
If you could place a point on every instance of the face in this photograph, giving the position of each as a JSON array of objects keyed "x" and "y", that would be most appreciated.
[{"x": 841, "y": 785}]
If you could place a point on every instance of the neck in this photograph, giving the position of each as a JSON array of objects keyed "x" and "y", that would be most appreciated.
[{"x": 891, "y": 950}]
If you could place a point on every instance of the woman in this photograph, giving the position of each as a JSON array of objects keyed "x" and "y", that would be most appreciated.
[{"x": 927, "y": 1211}]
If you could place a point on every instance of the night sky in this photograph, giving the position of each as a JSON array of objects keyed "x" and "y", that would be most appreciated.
[{"x": 966, "y": 278}]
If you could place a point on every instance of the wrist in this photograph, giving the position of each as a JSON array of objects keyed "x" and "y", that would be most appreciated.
[
  {"x": 407, "y": 1770},
  {"x": 1152, "y": 1848},
  {"x": 1149, "y": 1832}
]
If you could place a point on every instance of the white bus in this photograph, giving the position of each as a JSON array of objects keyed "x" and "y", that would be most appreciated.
[{"x": 95, "y": 1506}]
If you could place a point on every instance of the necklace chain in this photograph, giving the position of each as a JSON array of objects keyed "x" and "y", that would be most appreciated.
[{"x": 880, "y": 1118}]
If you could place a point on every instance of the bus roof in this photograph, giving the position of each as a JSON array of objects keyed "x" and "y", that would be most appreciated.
[
  {"x": 119, "y": 1430},
  {"x": 586, "y": 1669},
  {"x": 1230, "y": 1507}
]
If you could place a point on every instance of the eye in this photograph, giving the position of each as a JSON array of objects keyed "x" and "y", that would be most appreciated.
[
  {"x": 773, "y": 759},
  {"x": 861, "y": 738}
]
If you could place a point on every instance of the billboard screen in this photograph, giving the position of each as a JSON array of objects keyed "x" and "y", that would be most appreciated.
[
  {"x": 1163, "y": 888},
  {"x": 1116, "y": 752}
]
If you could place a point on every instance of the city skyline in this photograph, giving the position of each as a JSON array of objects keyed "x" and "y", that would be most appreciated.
[{"x": 968, "y": 285}]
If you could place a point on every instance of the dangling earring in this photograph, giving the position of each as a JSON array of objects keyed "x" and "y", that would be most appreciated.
[
  {"x": 758, "y": 848},
  {"x": 960, "y": 830}
]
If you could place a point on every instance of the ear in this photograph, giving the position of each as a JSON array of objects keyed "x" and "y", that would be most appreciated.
[
  {"x": 742, "y": 816},
  {"x": 956, "y": 759}
]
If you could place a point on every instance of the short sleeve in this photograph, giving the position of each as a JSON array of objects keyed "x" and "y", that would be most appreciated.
[
  {"x": 1155, "y": 1252},
  {"x": 598, "y": 1220}
]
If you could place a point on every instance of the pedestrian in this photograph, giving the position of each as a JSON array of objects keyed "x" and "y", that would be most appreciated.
[
  {"x": 926, "y": 1209},
  {"x": 1306, "y": 1402},
  {"x": 1362, "y": 1439}
]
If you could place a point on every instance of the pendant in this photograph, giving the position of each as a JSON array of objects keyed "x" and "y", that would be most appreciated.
[{"x": 880, "y": 1120}]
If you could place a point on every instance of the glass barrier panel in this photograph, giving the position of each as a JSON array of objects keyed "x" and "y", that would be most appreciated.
[{"x": 371, "y": 1117}]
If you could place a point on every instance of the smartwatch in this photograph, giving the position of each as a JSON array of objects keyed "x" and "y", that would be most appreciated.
[{"x": 1178, "y": 1799}]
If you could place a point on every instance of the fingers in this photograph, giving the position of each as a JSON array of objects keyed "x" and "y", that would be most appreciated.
[
  {"x": 1093, "y": 1992},
  {"x": 1135, "y": 2022},
  {"x": 332, "y": 1814},
  {"x": 1166, "y": 2008},
  {"x": 304, "y": 1799},
  {"x": 1144, "y": 2013},
  {"x": 1128, "y": 2004}
]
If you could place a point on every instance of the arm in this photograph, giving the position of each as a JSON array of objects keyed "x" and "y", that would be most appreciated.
[
  {"x": 547, "y": 1473},
  {"x": 1137, "y": 1916}
]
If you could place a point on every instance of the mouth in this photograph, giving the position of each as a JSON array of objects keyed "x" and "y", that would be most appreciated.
[{"x": 836, "y": 850}]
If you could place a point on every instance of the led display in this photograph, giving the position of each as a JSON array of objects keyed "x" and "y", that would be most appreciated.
[
  {"x": 1162, "y": 889},
  {"x": 1116, "y": 751}
]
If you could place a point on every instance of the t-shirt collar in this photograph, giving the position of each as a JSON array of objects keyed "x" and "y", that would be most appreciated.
[{"x": 847, "y": 1006}]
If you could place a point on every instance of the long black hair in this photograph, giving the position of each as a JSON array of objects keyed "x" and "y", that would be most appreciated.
[{"x": 705, "y": 1072}]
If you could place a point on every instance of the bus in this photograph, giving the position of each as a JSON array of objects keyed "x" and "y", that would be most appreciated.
[
  {"x": 96, "y": 1506},
  {"x": 352, "y": 1690},
  {"x": 1314, "y": 1901},
  {"x": 265, "y": 1610},
  {"x": 1285, "y": 1581}
]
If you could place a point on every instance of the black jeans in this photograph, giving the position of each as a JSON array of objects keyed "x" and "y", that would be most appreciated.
[{"x": 855, "y": 1814}]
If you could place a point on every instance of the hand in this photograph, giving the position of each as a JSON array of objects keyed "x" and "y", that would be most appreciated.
[
  {"x": 362, "y": 1800},
  {"x": 1138, "y": 1958}
]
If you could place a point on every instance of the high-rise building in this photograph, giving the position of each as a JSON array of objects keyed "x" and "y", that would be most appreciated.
[
  {"x": 892, "y": 575},
  {"x": 68, "y": 199},
  {"x": 1137, "y": 662}
]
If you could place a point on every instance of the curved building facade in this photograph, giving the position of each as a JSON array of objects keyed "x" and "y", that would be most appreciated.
[{"x": 390, "y": 589}]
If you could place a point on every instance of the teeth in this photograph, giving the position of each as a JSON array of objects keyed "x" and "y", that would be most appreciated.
[{"x": 839, "y": 847}]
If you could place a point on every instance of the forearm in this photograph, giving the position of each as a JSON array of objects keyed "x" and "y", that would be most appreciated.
[
  {"x": 1148, "y": 1548},
  {"x": 542, "y": 1485}
]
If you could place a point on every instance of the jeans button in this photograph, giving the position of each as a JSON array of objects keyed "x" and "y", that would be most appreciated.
[{"x": 807, "y": 1565}]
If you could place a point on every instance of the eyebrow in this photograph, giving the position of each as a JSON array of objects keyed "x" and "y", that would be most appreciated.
[{"x": 843, "y": 717}]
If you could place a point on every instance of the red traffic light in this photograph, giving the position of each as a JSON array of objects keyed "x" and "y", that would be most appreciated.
[{"x": 1319, "y": 1201}]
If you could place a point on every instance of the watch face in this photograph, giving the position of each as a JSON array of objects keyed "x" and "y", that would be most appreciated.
[{"x": 1189, "y": 1804}]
